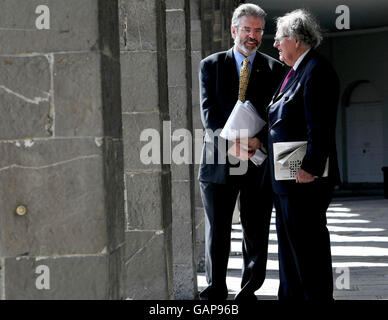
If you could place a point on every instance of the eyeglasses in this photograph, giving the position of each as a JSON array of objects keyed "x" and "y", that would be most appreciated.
[
  {"x": 278, "y": 39},
  {"x": 255, "y": 31}
]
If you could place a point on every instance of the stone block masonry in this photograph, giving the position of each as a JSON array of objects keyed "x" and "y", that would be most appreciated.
[
  {"x": 61, "y": 155},
  {"x": 148, "y": 272},
  {"x": 81, "y": 216}
]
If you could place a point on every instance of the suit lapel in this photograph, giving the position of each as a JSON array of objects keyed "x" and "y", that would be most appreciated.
[
  {"x": 254, "y": 76},
  {"x": 258, "y": 77},
  {"x": 297, "y": 74},
  {"x": 231, "y": 79},
  {"x": 277, "y": 96}
]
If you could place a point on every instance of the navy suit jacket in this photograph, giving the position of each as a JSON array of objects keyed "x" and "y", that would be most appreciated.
[
  {"x": 306, "y": 110},
  {"x": 219, "y": 85}
]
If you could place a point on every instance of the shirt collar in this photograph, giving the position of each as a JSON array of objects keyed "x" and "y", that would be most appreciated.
[
  {"x": 297, "y": 63},
  {"x": 240, "y": 57}
]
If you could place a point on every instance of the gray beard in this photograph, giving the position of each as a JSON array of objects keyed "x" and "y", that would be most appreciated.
[{"x": 242, "y": 47}]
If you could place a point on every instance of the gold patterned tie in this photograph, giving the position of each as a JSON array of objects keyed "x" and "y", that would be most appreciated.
[{"x": 244, "y": 78}]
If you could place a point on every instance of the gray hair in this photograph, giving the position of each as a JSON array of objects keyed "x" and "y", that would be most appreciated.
[
  {"x": 301, "y": 25},
  {"x": 247, "y": 10}
]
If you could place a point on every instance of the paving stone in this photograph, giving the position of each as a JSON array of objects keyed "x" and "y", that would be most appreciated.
[{"x": 366, "y": 283}]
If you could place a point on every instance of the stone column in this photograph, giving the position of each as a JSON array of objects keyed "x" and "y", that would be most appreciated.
[
  {"x": 61, "y": 163},
  {"x": 180, "y": 103},
  {"x": 207, "y": 9},
  {"x": 148, "y": 254},
  {"x": 109, "y": 44},
  {"x": 217, "y": 27},
  {"x": 196, "y": 57},
  {"x": 227, "y": 8},
  {"x": 215, "y": 20}
]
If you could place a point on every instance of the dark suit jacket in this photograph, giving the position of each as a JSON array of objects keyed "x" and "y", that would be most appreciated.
[
  {"x": 306, "y": 110},
  {"x": 219, "y": 85}
]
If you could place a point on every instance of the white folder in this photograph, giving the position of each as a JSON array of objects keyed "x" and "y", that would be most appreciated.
[
  {"x": 244, "y": 122},
  {"x": 288, "y": 157}
]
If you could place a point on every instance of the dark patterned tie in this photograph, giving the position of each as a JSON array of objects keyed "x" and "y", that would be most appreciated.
[{"x": 244, "y": 78}]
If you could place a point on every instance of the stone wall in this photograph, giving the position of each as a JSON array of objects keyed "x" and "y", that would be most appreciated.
[
  {"x": 74, "y": 100},
  {"x": 216, "y": 17},
  {"x": 196, "y": 57},
  {"x": 144, "y": 82},
  {"x": 99, "y": 223},
  {"x": 61, "y": 152},
  {"x": 182, "y": 175}
]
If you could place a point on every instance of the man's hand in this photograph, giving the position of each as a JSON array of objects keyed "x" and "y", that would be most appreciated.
[
  {"x": 244, "y": 149},
  {"x": 253, "y": 144},
  {"x": 304, "y": 177},
  {"x": 239, "y": 150}
]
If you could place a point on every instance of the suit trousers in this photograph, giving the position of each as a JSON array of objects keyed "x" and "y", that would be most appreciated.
[
  {"x": 305, "y": 268},
  {"x": 255, "y": 213}
]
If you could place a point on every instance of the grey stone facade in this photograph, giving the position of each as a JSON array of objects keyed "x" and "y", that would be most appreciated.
[
  {"x": 61, "y": 152},
  {"x": 74, "y": 100},
  {"x": 148, "y": 241},
  {"x": 178, "y": 21}
]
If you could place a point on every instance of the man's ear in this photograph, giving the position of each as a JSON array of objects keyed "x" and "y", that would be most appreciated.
[{"x": 233, "y": 31}]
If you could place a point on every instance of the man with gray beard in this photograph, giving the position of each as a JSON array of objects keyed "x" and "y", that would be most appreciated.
[{"x": 241, "y": 73}]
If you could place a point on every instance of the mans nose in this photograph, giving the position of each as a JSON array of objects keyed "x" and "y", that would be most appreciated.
[{"x": 252, "y": 34}]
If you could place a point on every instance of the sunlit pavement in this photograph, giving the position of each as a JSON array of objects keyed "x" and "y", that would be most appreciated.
[{"x": 359, "y": 244}]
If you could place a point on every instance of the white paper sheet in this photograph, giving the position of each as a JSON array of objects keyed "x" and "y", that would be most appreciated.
[{"x": 244, "y": 122}]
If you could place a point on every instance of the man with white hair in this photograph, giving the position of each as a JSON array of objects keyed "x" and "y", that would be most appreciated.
[
  {"x": 241, "y": 73},
  {"x": 304, "y": 108}
]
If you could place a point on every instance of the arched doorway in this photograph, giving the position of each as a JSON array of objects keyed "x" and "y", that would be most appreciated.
[{"x": 364, "y": 134}]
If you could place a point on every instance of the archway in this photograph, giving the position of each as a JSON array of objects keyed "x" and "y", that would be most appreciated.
[{"x": 363, "y": 134}]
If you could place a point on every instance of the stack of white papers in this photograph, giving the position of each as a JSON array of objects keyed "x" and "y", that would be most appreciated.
[{"x": 244, "y": 122}]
